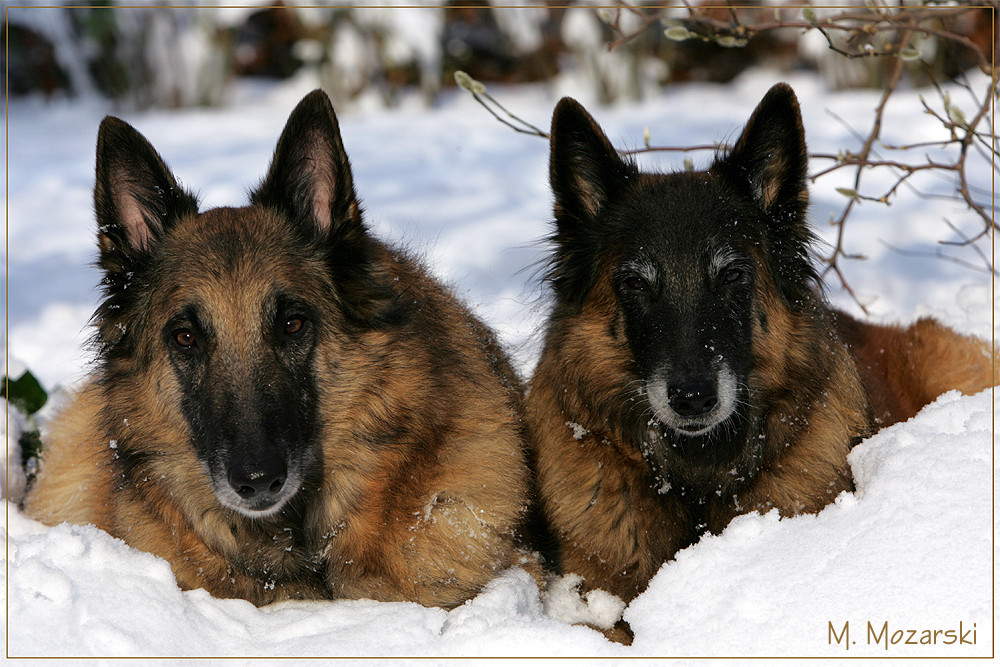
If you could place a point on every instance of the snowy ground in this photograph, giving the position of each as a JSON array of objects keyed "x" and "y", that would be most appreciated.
[{"x": 911, "y": 548}]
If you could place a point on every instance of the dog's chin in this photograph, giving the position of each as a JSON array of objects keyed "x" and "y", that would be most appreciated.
[
  {"x": 671, "y": 422},
  {"x": 690, "y": 430}
]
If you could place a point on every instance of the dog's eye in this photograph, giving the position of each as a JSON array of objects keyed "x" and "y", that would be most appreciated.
[
  {"x": 184, "y": 339},
  {"x": 634, "y": 283},
  {"x": 732, "y": 276},
  {"x": 294, "y": 325}
]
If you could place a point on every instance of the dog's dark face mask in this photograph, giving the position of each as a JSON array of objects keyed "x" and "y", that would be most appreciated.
[
  {"x": 686, "y": 308},
  {"x": 232, "y": 299},
  {"x": 689, "y": 256},
  {"x": 242, "y": 347}
]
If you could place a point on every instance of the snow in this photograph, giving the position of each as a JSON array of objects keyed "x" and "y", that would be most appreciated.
[
  {"x": 912, "y": 547},
  {"x": 905, "y": 548},
  {"x": 597, "y": 608}
]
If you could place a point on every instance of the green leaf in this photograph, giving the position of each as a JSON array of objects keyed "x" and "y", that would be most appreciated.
[
  {"x": 25, "y": 393},
  {"x": 850, "y": 193},
  {"x": 957, "y": 116}
]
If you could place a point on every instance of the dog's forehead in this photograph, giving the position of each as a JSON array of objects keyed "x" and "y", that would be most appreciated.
[
  {"x": 232, "y": 239},
  {"x": 236, "y": 252},
  {"x": 685, "y": 217},
  {"x": 223, "y": 234}
]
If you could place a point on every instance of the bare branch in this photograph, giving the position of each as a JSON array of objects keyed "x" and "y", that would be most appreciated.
[{"x": 888, "y": 35}]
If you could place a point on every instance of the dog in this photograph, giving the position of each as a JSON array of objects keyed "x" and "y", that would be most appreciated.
[
  {"x": 283, "y": 406},
  {"x": 692, "y": 370}
]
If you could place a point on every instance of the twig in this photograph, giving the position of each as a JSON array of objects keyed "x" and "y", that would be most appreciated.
[
  {"x": 851, "y": 33},
  {"x": 937, "y": 254}
]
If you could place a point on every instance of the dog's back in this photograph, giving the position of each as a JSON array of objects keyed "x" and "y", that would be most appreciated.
[{"x": 906, "y": 367}]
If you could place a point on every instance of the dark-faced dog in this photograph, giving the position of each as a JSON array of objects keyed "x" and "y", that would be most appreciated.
[{"x": 692, "y": 370}]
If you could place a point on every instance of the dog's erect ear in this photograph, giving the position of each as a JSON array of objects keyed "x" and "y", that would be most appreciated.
[
  {"x": 136, "y": 198},
  {"x": 770, "y": 162},
  {"x": 310, "y": 182},
  {"x": 585, "y": 173},
  {"x": 310, "y": 177},
  {"x": 584, "y": 169},
  {"x": 770, "y": 156}
]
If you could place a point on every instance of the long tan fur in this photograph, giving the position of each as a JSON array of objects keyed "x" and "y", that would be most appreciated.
[{"x": 417, "y": 485}]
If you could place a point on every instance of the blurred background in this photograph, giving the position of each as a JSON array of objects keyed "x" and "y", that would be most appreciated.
[{"x": 168, "y": 57}]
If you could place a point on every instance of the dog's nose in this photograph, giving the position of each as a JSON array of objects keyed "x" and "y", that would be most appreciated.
[
  {"x": 692, "y": 397},
  {"x": 257, "y": 480}
]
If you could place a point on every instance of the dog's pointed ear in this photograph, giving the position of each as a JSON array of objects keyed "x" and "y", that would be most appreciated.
[
  {"x": 310, "y": 176},
  {"x": 584, "y": 168},
  {"x": 770, "y": 156},
  {"x": 309, "y": 181},
  {"x": 586, "y": 174},
  {"x": 770, "y": 162},
  {"x": 136, "y": 198}
]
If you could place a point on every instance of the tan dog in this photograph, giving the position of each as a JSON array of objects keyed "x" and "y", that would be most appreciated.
[{"x": 283, "y": 406}]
